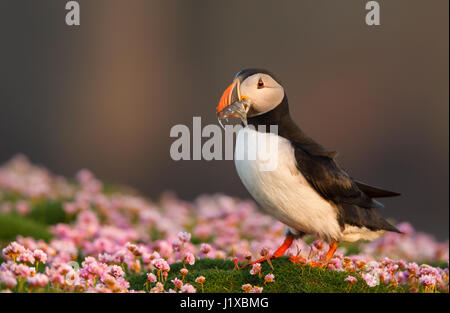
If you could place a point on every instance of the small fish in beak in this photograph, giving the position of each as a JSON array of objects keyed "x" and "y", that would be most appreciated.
[
  {"x": 237, "y": 109},
  {"x": 232, "y": 104}
]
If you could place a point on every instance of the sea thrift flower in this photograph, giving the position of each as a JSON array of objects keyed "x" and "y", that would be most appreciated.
[
  {"x": 184, "y": 237},
  {"x": 184, "y": 271},
  {"x": 23, "y": 270},
  {"x": 246, "y": 287},
  {"x": 220, "y": 254},
  {"x": 256, "y": 289},
  {"x": 158, "y": 288},
  {"x": 176, "y": 245},
  {"x": 269, "y": 278},
  {"x": 40, "y": 256},
  {"x": 200, "y": 280},
  {"x": 178, "y": 283},
  {"x": 318, "y": 244},
  {"x": 205, "y": 248},
  {"x": 264, "y": 251},
  {"x": 116, "y": 271},
  {"x": 370, "y": 280},
  {"x": 161, "y": 264},
  {"x": 13, "y": 250},
  {"x": 155, "y": 255},
  {"x": 151, "y": 278},
  {"x": 26, "y": 257},
  {"x": 23, "y": 208},
  {"x": 256, "y": 269},
  {"x": 131, "y": 247},
  {"x": 351, "y": 279},
  {"x": 427, "y": 280},
  {"x": 8, "y": 279},
  {"x": 188, "y": 288},
  {"x": 189, "y": 258},
  {"x": 38, "y": 280},
  {"x": 413, "y": 268}
]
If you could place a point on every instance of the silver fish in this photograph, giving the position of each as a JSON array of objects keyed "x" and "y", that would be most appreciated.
[{"x": 237, "y": 109}]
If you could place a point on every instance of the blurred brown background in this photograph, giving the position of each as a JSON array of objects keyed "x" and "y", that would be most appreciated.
[{"x": 104, "y": 95}]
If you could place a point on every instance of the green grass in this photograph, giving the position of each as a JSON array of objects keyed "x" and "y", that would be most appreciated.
[
  {"x": 49, "y": 212},
  {"x": 289, "y": 277},
  {"x": 12, "y": 225}
]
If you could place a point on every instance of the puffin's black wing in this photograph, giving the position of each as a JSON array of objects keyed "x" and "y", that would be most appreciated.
[
  {"x": 353, "y": 198},
  {"x": 329, "y": 180}
]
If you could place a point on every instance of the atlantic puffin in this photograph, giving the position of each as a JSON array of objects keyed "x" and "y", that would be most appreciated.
[{"x": 307, "y": 191}]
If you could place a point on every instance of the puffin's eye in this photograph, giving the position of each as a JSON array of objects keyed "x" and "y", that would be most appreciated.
[{"x": 260, "y": 84}]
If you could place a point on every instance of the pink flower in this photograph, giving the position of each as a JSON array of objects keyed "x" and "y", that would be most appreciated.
[
  {"x": 26, "y": 257},
  {"x": 116, "y": 271},
  {"x": 406, "y": 228},
  {"x": 184, "y": 271},
  {"x": 158, "y": 288},
  {"x": 189, "y": 258},
  {"x": 247, "y": 287},
  {"x": 256, "y": 289},
  {"x": 38, "y": 280},
  {"x": 264, "y": 251},
  {"x": 200, "y": 279},
  {"x": 8, "y": 279},
  {"x": 413, "y": 268},
  {"x": 151, "y": 278},
  {"x": 188, "y": 288},
  {"x": 161, "y": 264},
  {"x": 155, "y": 255},
  {"x": 131, "y": 247},
  {"x": 256, "y": 269},
  {"x": 351, "y": 279},
  {"x": 23, "y": 270},
  {"x": 176, "y": 245},
  {"x": 13, "y": 250},
  {"x": 318, "y": 244},
  {"x": 427, "y": 280},
  {"x": 92, "y": 268},
  {"x": 40, "y": 256},
  {"x": 178, "y": 283},
  {"x": 269, "y": 278},
  {"x": 184, "y": 237},
  {"x": 205, "y": 248},
  {"x": 370, "y": 280},
  {"x": 23, "y": 207}
]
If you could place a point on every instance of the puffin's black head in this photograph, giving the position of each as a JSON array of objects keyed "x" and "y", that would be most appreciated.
[{"x": 261, "y": 90}]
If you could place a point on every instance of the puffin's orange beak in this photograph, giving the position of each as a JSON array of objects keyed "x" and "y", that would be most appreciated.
[{"x": 230, "y": 95}]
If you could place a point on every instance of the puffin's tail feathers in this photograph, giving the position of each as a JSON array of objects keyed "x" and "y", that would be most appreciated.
[
  {"x": 362, "y": 217},
  {"x": 375, "y": 192}
]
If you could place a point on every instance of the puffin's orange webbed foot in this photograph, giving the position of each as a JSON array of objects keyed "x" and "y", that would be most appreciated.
[
  {"x": 236, "y": 264},
  {"x": 316, "y": 264},
  {"x": 278, "y": 253},
  {"x": 297, "y": 260},
  {"x": 262, "y": 260}
]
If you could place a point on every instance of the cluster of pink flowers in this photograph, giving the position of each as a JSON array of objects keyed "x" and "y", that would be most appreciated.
[
  {"x": 393, "y": 273},
  {"x": 120, "y": 233},
  {"x": 248, "y": 288}
]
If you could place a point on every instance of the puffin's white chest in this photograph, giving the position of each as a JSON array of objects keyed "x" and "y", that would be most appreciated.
[{"x": 282, "y": 192}]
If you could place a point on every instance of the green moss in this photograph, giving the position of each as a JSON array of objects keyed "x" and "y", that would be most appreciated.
[
  {"x": 289, "y": 277},
  {"x": 12, "y": 225},
  {"x": 49, "y": 212}
]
